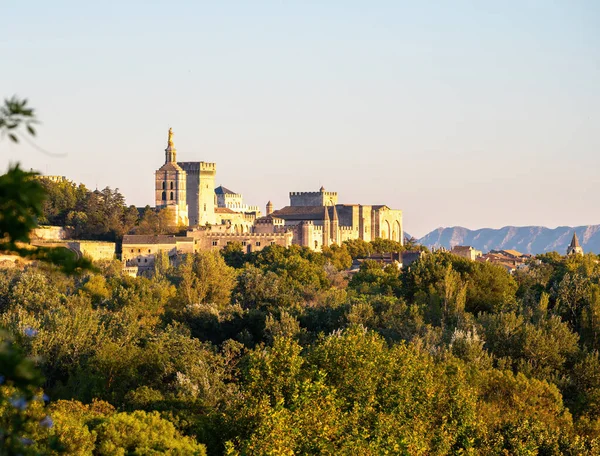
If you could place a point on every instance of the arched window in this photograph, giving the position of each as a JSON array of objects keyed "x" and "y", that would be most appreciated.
[
  {"x": 171, "y": 186},
  {"x": 164, "y": 185},
  {"x": 164, "y": 195},
  {"x": 171, "y": 196}
]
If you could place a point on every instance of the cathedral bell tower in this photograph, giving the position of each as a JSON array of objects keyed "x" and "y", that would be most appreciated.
[{"x": 170, "y": 186}]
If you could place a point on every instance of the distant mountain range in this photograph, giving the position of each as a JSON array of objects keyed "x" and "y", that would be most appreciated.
[{"x": 525, "y": 239}]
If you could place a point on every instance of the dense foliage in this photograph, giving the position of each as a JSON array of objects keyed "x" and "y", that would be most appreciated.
[
  {"x": 98, "y": 214},
  {"x": 279, "y": 352}
]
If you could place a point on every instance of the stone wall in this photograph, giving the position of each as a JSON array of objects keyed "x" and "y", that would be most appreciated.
[
  {"x": 251, "y": 242},
  {"x": 141, "y": 251},
  {"x": 320, "y": 198},
  {"x": 269, "y": 225},
  {"x": 50, "y": 233},
  {"x": 387, "y": 224},
  {"x": 365, "y": 223},
  {"x": 95, "y": 250},
  {"x": 236, "y": 222}
]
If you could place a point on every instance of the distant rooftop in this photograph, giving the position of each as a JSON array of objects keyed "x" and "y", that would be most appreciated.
[{"x": 220, "y": 190}]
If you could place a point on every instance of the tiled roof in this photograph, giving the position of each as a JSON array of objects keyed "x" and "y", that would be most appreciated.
[
  {"x": 224, "y": 210},
  {"x": 170, "y": 166},
  {"x": 462, "y": 248},
  {"x": 574, "y": 242},
  {"x": 297, "y": 213},
  {"x": 220, "y": 190},
  {"x": 514, "y": 253}
]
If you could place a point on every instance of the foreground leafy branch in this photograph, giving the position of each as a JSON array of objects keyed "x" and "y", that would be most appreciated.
[
  {"x": 15, "y": 113},
  {"x": 21, "y": 199}
]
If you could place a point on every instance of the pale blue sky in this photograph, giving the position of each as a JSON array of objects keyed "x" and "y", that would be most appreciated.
[{"x": 472, "y": 113}]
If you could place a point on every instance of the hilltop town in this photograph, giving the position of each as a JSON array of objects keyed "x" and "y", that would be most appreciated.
[{"x": 207, "y": 217}]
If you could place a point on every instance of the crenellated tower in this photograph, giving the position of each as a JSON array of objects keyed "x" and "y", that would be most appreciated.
[
  {"x": 201, "y": 191},
  {"x": 320, "y": 198}
]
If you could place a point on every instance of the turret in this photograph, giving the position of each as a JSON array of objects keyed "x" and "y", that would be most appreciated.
[
  {"x": 269, "y": 208},
  {"x": 335, "y": 226},
  {"x": 326, "y": 227}
]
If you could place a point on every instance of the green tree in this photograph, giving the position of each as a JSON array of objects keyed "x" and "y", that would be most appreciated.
[
  {"x": 337, "y": 256},
  {"x": 357, "y": 248},
  {"x": 386, "y": 246},
  {"x": 233, "y": 253}
]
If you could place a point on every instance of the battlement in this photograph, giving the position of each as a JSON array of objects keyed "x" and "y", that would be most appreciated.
[
  {"x": 56, "y": 179},
  {"x": 320, "y": 198},
  {"x": 204, "y": 166},
  {"x": 245, "y": 235},
  {"x": 198, "y": 166},
  {"x": 270, "y": 221},
  {"x": 313, "y": 194}
]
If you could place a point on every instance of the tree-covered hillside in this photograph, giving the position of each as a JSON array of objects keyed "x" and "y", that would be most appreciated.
[
  {"x": 282, "y": 351},
  {"x": 279, "y": 352}
]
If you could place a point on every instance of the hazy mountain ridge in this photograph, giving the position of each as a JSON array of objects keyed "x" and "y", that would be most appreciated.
[{"x": 525, "y": 239}]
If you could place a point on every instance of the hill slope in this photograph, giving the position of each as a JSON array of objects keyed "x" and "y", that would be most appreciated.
[{"x": 525, "y": 239}]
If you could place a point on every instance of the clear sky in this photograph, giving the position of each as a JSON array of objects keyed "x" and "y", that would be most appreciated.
[{"x": 471, "y": 113}]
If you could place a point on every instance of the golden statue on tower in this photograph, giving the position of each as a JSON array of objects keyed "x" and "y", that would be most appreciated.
[{"x": 170, "y": 143}]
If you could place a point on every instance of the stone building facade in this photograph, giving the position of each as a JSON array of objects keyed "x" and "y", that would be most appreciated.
[
  {"x": 314, "y": 219},
  {"x": 317, "y": 220},
  {"x": 466, "y": 251},
  {"x": 320, "y": 198},
  {"x": 234, "y": 201},
  {"x": 93, "y": 250},
  {"x": 206, "y": 239},
  {"x": 200, "y": 192},
  {"x": 238, "y": 222},
  {"x": 141, "y": 250}
]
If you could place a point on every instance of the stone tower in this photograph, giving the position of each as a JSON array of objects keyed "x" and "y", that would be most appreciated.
[
  {"x": 170, "y": 186},
  {"x": 201, "y": 191},
  {"x": 574, "y": 248},
  {"x": 335, "y": 227},
  {"x": 269, "y": 208},
  {"x": 320, "y": 198},
  {"x": 326, "y": 227}
]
